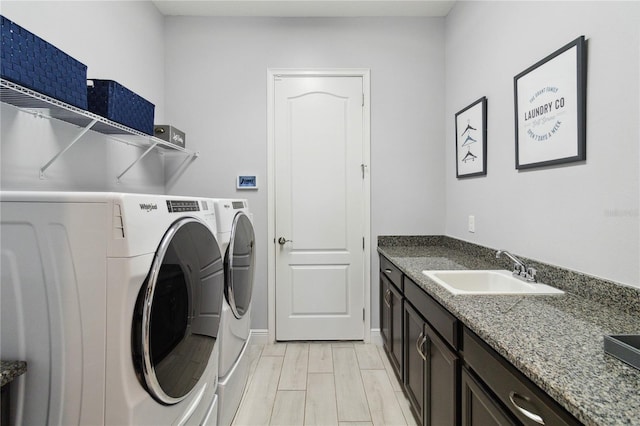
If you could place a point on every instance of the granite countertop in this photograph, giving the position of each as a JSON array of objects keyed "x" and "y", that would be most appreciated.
[
  {"x": 11, "y": 370},
  {"x": 556, "y": 341}
]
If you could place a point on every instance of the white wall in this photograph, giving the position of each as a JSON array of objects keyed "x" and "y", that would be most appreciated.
[
  {"x": 216, "y": 90},
  {"x": 582, "y": 216},
  {"x": 122, "y": 41}
]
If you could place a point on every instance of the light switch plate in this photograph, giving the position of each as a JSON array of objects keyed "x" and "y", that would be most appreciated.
[{"x": 472, "y": 224}]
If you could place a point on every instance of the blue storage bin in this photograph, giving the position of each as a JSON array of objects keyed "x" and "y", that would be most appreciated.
[
  {"x": 30, "y": 61},
  {"x": 117, "y": 103}
]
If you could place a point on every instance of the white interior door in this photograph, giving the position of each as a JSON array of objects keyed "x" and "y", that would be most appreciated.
[{"x": 319, "y": 206}]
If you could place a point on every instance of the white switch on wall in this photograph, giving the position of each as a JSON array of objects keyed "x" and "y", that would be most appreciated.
[{"x": 472, "y": 224}]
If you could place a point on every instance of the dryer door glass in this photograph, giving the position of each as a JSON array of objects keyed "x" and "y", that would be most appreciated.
[
  {"x": 239, "y": 265},
  {"x": 177, "y": 315}
]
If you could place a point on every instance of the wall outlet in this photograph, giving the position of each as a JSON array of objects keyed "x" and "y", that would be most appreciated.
[{"x": 472, "y": 224}]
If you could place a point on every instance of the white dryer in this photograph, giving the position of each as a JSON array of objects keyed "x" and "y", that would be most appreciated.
[
  {"x": 114, "y": 300},
  {"x": 237, "y": 241}
]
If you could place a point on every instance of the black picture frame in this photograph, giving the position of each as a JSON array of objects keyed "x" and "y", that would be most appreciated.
[
  {"x": 471, "y": 139},
  {"x": 551, "y": 108}
]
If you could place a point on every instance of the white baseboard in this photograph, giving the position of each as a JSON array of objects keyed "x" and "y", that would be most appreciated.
[
  {"x": 376, "y": 337},
  {"x": 259, "y": 337}
]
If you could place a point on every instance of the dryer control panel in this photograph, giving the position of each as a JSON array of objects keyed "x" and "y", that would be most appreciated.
[{"x": 181, "y": 206}]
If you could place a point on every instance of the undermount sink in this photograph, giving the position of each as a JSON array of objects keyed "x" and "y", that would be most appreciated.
[{"x": 487, "y": 282}]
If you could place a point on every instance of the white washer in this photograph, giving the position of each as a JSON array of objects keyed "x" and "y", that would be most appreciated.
[
  {"x": 114, "y": 301},
  {"x": 237, "y": 242}
]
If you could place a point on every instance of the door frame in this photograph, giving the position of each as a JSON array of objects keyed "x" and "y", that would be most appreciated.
[{"x": 272, "y": 73}]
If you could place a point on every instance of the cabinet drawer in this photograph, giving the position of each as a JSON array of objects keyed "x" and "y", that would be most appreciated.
[
  {"x": 390, "y": 271},
  {"x": 439, "y": 318},
  {"x": 530, "y": 404}
]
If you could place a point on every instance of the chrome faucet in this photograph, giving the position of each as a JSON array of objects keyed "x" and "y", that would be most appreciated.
[{"x": 520, "y": 269}]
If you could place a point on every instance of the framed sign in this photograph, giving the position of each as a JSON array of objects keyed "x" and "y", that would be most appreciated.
[
  {"x": 550, "y": 108},
  {"x": 471, "y": 140}
]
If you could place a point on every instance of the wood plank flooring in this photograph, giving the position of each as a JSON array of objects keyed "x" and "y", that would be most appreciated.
[{"x": 341, "y": 384}]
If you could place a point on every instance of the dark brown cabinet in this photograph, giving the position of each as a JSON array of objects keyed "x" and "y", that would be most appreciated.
[
  {"x": 391, "y": 323},
  {"x": 396, "y": 302},
  {"x": 414, "y": 363},
  {"x": 391, "y": 302},
  {"x": 431, "y": 372},
  {"x": 385, "y": 314},
  {"x": 443, "y": 369},
  {"x": 5, "y": 405}
]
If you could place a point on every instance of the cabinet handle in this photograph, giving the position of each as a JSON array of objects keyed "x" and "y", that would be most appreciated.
[
  {"x": 387, "y": 298},
  {"x": 388, "y": 271},
  {"x": 425, "y": 339},
  {"x": 419, "y": 343},
  {"x": 533, "y": 416}
]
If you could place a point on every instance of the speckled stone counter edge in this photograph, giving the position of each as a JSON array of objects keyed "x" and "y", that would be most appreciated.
[
  {"x": 11, "y": 370},
  {"x": 606, "y": 292}
]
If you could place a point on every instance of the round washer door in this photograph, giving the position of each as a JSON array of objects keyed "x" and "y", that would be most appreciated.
[
  {"x": 239, "y": 265},
  {"x": 177, "y": 313}
]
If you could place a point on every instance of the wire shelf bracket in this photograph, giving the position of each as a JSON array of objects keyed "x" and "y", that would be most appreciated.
[{"x": 65, "y": 149}]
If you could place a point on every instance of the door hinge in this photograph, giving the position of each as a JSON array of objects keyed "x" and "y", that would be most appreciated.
[
  {"x": 363, "y": 99},
  {"x": 362, "y": 243},
  {"x": 362, "y": 314},
  {"x": 363, "y": 167}
]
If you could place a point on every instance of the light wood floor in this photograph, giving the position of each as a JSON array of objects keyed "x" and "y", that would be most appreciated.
[{"x": 348, "y": 384}]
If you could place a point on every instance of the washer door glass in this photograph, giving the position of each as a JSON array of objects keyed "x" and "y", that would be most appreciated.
[
  {"x": 177, "y": 313},
  {"x": 239, "y": 265}
]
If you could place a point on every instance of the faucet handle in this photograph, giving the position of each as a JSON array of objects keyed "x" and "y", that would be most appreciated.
[{"x": 531, "y": 274}]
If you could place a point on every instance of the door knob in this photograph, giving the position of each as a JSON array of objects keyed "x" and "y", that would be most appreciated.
[{"x": 282, "y": 241}]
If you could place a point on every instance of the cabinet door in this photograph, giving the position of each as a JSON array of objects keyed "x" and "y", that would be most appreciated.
[
  {"x": 478, "y": 407},
  {"x": 441, "y": 399},
  {"x": 396, "y": 331},
  {"x": 385, "y": 312},
  {"x": 391, "y": 323},
  {"x": 414, "y": 361}
]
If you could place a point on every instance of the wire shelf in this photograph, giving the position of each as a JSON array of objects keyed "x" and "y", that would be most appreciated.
[{"x": 41, "y": 105}]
